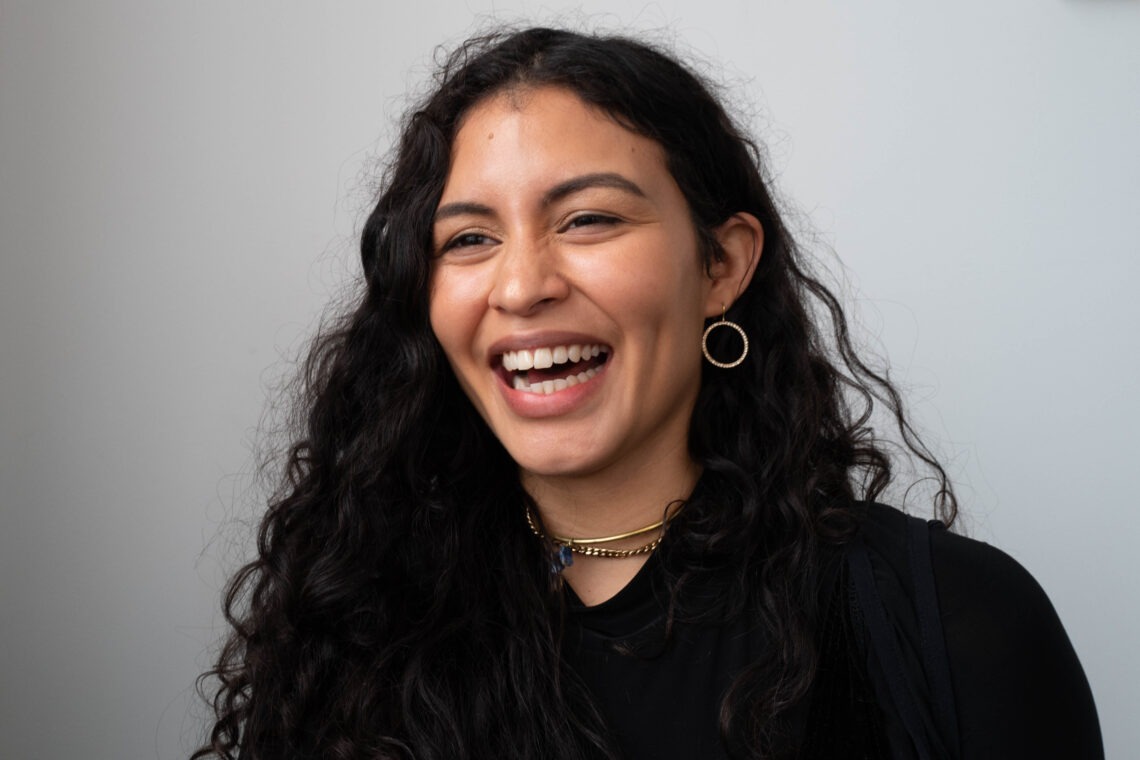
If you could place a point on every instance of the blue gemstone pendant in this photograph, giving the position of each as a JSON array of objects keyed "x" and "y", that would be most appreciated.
[{"x": 563, "y": 559}]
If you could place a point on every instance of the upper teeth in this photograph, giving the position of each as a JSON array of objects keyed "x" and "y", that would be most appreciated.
[{"x": 542, "y": 358}]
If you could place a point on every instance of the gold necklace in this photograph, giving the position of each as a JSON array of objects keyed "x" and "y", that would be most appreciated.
[{"x": 588, "y": 547}]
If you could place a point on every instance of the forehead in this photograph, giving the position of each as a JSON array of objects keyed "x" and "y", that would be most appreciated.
[{"x": 545, "y": 134}]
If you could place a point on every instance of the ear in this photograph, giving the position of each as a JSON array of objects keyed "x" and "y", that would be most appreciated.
[{"x": 741, "y": 239}]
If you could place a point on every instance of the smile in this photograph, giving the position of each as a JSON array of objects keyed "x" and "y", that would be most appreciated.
[{"x": 550, "y": 369}]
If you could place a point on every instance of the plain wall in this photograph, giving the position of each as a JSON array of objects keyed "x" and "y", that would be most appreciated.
[{"x": 180, "y": 185}]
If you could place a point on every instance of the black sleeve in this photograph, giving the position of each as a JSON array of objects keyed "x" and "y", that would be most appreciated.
[{"x": 1019, "y": 688}]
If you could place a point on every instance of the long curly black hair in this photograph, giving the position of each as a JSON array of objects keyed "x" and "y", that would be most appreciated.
[{"x": 398, "y": 606}]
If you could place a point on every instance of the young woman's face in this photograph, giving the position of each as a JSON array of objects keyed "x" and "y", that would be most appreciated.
[{"x": 567, "y": 290}]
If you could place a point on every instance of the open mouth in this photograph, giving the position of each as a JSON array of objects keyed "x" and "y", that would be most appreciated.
[{"x": 552, "y": 368}]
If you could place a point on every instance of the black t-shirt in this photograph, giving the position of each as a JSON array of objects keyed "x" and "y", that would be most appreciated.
[{"x": 1019, "y": 691}]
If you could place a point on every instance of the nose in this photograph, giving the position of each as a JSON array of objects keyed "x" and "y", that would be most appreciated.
[{"x": 528, "y": 278}]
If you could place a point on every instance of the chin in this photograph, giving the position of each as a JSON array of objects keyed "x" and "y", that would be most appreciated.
[
  {"x": 557, "y": 463},
  {"x": 552, "y": 468}
]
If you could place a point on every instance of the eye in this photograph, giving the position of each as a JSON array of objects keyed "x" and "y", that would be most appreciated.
[
  {"x": 467, "y": 240},
  {"x": 589, "y": 220}
]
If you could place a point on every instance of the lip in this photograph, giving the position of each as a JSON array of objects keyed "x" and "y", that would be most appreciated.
[{"x": 536, "y": 405}]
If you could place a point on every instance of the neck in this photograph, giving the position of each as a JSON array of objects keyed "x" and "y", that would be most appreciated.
[
  {"x": 609, "y": 502},
  {"x": 615, "y": 500}
]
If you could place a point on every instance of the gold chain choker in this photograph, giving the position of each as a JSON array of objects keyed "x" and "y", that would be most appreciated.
[{"x": 588, "y": 547}]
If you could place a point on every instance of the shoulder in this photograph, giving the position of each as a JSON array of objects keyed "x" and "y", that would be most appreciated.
[
  {"x": 976, "y": 577},
  {"x": 973, "y": 578},
  {"x": 1019, "y": 687}
]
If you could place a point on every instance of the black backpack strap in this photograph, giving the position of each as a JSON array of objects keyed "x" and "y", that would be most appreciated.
[
  {"x": 844, "y": 720},
  {"x": 885, "y": 646},
  {"x": 935, "y": 661}
]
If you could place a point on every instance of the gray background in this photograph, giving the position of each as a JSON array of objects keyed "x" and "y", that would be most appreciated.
[{"x": 180, "y": 184}]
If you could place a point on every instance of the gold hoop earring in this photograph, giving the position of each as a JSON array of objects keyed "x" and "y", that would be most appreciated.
[{"x": 722, "y": 322}]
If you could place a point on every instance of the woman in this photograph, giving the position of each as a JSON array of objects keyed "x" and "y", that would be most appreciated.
[{"x": 581, "y": 477}]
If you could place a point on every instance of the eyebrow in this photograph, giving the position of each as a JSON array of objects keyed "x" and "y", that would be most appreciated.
[
  {"x": 553, "y": 195},
  {"x": 587, "y": 181},
  {"x": 461, "y": 208}
]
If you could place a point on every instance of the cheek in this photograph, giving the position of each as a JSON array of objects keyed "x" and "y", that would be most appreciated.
[
  {"x": 437, "y": 308},
  {"x": 451, "y": 320},
  {"x": 453, "y": 311},
  {"x": 657, "y": 291}
]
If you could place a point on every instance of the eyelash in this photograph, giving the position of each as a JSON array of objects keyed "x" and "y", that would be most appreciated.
[
  {"x": 465, "y": 240},
  {"x": 588, "y": 219}
]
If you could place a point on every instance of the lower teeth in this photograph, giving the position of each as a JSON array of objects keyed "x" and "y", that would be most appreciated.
[{"x": 546, "y": 387}]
